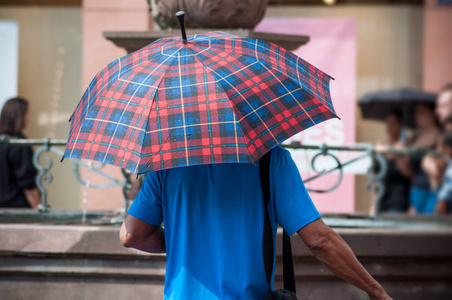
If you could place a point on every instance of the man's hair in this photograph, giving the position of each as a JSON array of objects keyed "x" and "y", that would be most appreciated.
[
  {"x": 12, "y": 116},
  {"x": 447, "y": 138},
  {"x": 446, "y": 88}
]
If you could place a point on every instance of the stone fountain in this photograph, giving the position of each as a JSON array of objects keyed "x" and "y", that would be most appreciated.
[{"x": 231, "y": 16}]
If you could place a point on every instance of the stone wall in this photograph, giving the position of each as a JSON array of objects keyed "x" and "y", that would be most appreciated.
[{"x": 81, "y": 262}]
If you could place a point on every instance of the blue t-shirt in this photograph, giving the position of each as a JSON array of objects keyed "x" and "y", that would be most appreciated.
[{"x": 213, "y": 217}]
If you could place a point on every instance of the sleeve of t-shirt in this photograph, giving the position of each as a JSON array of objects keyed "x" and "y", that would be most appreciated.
[
  {"x": 24, "y": 171},
  {"x": 293, "y": 205},
  {"x": 147, "y": 206}
]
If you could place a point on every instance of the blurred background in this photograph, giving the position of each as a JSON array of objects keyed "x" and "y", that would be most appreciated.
[
  {"x": 52, "y": 49},
  {"x": 392, "y": 65}
]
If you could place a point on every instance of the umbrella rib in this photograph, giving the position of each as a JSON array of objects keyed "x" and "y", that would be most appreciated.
[
  {"x": 233, "y": 87},
  {"x": 238, "y": 93},
  {"x": 182, "y": 107},
  {"x": 193, "y": 125},
  {"x": 130, "y": 99},
  {"x": 235, "y": 122},
  {"x": 266, "y": 104},
  {"x": 78, "y": 132},
  {"x": 288, "y": 92}
]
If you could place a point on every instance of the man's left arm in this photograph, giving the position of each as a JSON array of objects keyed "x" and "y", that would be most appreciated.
[
  {"x": 332, "y": 251},
  {"x": 140, "y": 235}
]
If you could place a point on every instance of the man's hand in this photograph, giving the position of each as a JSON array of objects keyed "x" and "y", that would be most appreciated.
[
  {"x": 332, "y": 251},
  {"x": 140, "y": 235}
]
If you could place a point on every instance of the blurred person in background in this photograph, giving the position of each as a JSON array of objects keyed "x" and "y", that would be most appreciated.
[
  {"x": 444, "y": 103},
  {"x": 447, "y": 124},
  {"x": 423, "y": 187},
  {"x": 17, "y": 173},
  {"x": 398, "y": 177},
  {"x": 444, "y": 204},
  {"x": 435, "y": 165}
]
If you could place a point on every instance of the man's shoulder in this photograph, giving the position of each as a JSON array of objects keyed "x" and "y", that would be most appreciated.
[{"x": 280, "y": 151}]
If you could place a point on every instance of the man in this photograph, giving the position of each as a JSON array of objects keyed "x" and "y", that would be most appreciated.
[{"x": 214, "y": 216}]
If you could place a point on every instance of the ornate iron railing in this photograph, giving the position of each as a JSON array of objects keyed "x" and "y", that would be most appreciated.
[{"x": 43, "y": 164}]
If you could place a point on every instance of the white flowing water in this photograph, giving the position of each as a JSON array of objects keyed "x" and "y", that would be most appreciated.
[{"x": 85, "y": 192}]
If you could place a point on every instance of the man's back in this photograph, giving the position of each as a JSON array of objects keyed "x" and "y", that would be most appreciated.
[{"x": 213, "y": 216}]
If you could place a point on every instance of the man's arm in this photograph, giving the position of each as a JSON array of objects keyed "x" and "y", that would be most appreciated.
[
  {"x": 33, "y": 197},
  {"x": 140, "y": 235},
  {"x": 332, "y": 251}
]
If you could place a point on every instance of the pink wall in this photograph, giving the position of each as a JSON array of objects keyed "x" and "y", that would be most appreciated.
[
  {"x": 100, "y": 16},
  {"x": 437, "y": 58}
]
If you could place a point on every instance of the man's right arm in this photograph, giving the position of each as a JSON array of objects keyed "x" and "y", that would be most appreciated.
[
  {"x": 140, "y": 235},
  {"x": 332, "y": 251}
]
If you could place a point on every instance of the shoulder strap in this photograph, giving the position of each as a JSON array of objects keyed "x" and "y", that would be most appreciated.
[
  {"x": 267, "y": 239},
  {"x": 288, "y": 273}
]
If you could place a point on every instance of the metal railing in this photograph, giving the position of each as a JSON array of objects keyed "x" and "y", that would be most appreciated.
[{"x": 43, "y": 164}]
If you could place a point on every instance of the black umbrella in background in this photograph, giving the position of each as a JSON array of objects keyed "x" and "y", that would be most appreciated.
[{"x": 377, "y": 105}]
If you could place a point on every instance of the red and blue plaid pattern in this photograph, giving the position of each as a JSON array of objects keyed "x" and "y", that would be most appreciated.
[{"x": 218, "y": 99}]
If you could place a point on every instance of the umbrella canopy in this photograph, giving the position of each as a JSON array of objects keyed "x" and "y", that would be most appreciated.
[
  {"x": 217, "y": 98},
  {"x": 377, "y": 105}
]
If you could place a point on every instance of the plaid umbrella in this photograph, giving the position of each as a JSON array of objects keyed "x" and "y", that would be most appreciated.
[{"x": 217, "y": 99}]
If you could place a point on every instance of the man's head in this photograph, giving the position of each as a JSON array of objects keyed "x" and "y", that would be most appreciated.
[{"x": 444, "y": 103}]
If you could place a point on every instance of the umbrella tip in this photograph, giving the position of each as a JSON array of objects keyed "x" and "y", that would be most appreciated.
[{"x": 180, "y": 16}]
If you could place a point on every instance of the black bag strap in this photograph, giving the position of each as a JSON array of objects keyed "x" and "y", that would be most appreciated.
[
  {"x": 267, "y": 237},
  {"x": 288, "y": 273}
]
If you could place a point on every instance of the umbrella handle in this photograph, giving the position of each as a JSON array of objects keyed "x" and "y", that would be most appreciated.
[{"x": 180, "y": 16}]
